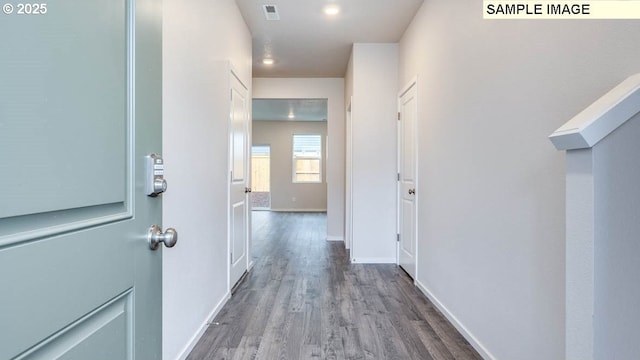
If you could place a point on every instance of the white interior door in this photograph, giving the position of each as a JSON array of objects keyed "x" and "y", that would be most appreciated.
[
  {"x": 408, "y": 114},
  {"x": 239, "y": 160},
  {"x": 80, "y": 108}
]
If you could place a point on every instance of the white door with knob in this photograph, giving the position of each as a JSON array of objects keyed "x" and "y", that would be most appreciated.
[
  {"x": 407, "y": 175},
  {"x": 80, "y": 109},
  {"x": 239, "y": 180}
]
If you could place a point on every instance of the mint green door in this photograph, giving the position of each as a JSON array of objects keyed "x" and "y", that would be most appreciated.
[{"x": 80, "y": 108}]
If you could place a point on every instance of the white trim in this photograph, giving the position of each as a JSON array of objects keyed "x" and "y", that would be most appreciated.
[
  {"x": 298, "y": 210},
  {"x": 413, "y": 81},
  {"x": 235, "y": 73},
  {"x": 456, "y": 323},
  {"x": 348, "y": 186},
  {"x": 398, "y": 196},
  {"x": 335, "y": 238},
  {"x": 196, "y": 337},
  {"x": 601, "y": 118},
  {"x": 373, "y": 261},
  {"x": 580, "y": 255}
]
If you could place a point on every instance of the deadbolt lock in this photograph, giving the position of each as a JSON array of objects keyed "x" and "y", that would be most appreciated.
[{"x": 155, "y": 184}]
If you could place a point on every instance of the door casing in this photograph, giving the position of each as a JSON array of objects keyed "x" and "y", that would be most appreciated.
[{"x": 349, "y": 178}]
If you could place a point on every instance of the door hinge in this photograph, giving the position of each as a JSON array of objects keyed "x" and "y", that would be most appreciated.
[
  {"x": 398, "y": 115},
  {"x": 398, "y": 237},
  {"x": 398, "y": 176},
  {"x": 230, "y": 94},
  {"x": 231, "y": 258}
]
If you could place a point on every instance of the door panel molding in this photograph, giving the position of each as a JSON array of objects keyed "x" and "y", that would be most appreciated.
[
  {"x": 21, "y": 230},
  {"x": 54, "y": 77},
  {"x": 83, "y": 198},
  {"x": 111, "y": 319},
  {"x": 52, "y": 291},
  {"x": 239, "y": 222}
]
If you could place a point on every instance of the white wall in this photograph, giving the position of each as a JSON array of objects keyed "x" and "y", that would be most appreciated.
[
  {"x": 285, "y": 194},
  {"x": 616, "y": 174},
  {"x": 198, "y": 35},
  {"x": 319, "y": 88},
  {"x": 372, "y": 81},
  {"x": 492, "y": 212}
]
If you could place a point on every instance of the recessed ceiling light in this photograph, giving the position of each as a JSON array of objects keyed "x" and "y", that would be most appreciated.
[
  {"x": 331, "y": 10},
  {"x": 267, "y": 61}
]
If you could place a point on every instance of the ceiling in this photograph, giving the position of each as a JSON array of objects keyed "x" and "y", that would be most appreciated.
[
  {"x": 281, "y": 109},
  {"x": 306, "y": 42}
]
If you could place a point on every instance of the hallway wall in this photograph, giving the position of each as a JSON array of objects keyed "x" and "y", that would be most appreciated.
[
  {"x": 279, "y": 134},
  {"x": 371, "y": 79},
  {"x": 199, "y": 36},
  {"x": 492, "y": 204},
  {"x": 616, "y": 200},
  {"x": 319, "y": 88}
]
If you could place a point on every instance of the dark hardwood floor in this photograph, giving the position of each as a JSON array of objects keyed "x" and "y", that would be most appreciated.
[{"x": 304, "y": 300}]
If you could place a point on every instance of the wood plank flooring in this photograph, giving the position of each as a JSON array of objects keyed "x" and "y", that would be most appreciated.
[{"x": 304, "y": 300}]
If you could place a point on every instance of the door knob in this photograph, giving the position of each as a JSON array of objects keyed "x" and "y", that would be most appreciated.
[
  {"x": 156, "y": 236},
  {"x": 412, "y": 191},
  {"x": 247, "y": 190}
]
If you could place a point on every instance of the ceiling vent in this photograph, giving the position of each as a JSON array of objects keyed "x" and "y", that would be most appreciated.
[{"x": 271, "y": 12}]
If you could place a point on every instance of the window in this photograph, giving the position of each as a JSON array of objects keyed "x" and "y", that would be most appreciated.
[{"x": 307, "y": 158}]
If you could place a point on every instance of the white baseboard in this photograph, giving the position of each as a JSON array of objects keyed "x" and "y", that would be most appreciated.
[
  {"x": 335, "y": 238},
  {"x": 456, "y": 323},
  {"x": 196, "y": 337},
  {"x": 373, "y": 261},
  {"x": 299, "y": 210}
]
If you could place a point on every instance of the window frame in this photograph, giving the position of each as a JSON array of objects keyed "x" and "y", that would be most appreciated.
[{"x": 295, "y": 157}]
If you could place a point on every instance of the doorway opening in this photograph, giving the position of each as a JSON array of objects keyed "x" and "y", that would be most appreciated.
[{"x": 261, "y": 177}]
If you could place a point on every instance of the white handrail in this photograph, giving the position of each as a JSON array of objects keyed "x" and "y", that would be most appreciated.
[{"x": 600, "y": 118}]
